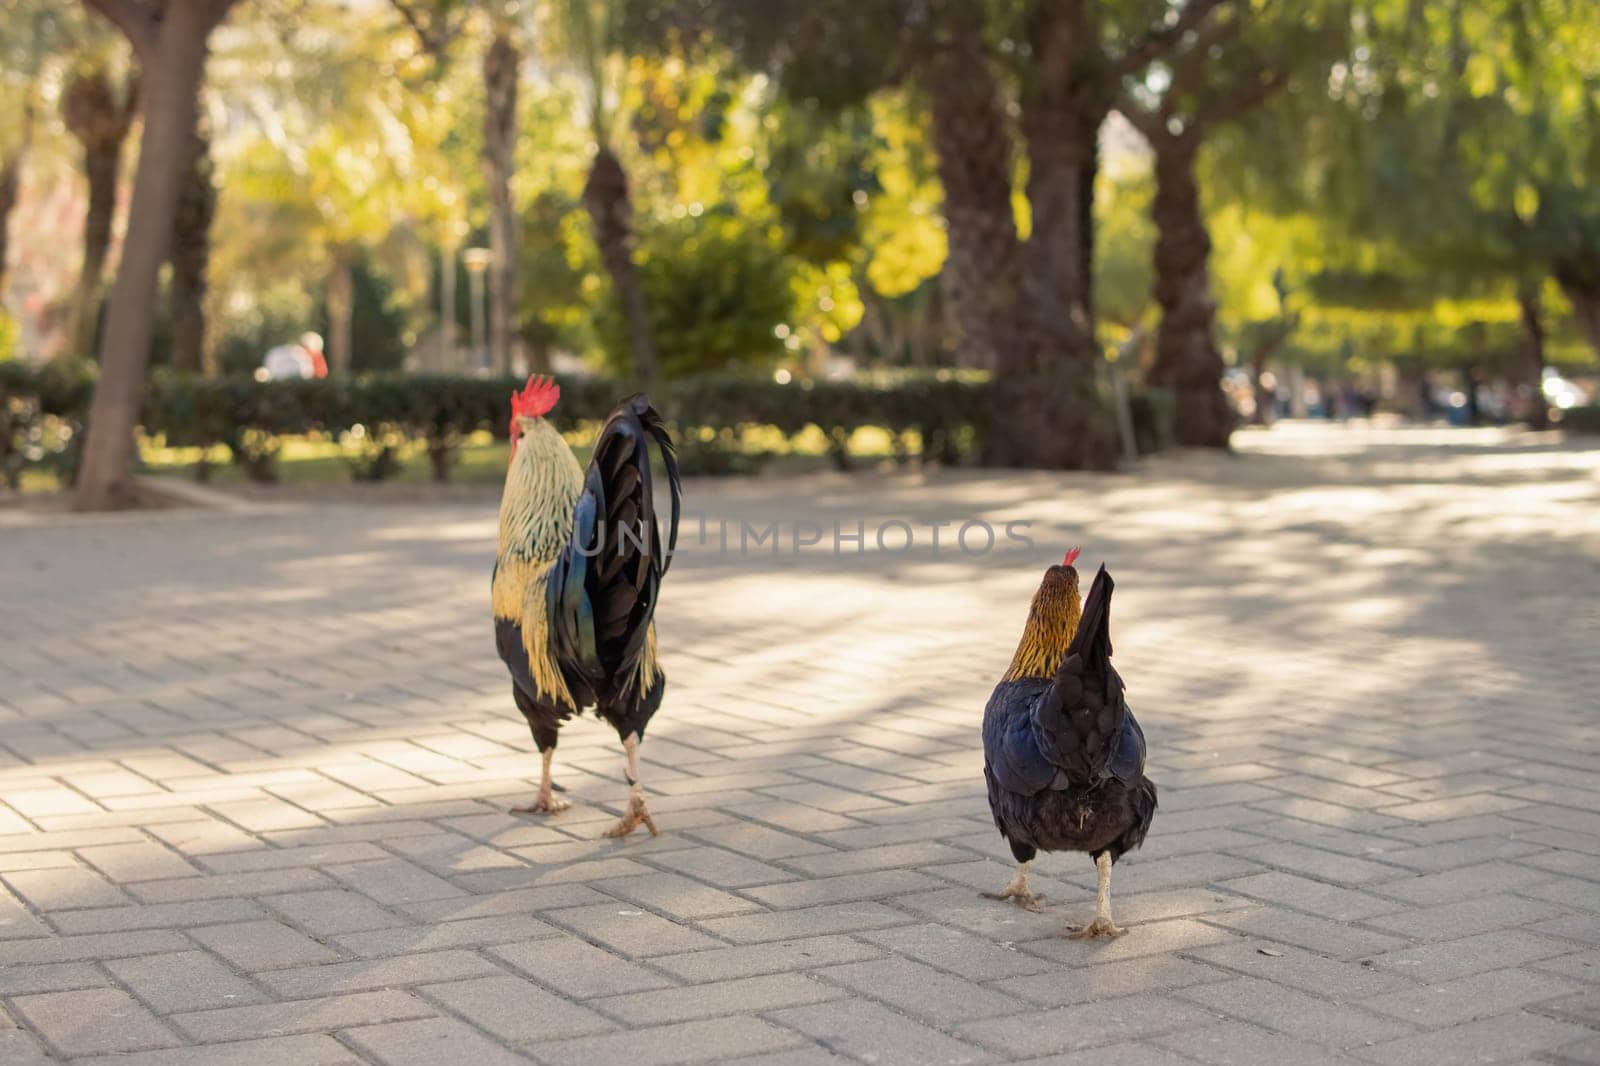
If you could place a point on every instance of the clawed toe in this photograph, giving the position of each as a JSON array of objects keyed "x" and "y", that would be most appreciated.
[
  {"x": 637, "y": 813},
  {"x": 1028, "y": 901},
  {"x": 1100, "y": 927},
  {"x": 543, "y": 805}
]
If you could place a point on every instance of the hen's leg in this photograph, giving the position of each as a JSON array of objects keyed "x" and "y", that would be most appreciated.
[
  {"x": 545, "y": 739},
  {"x": 1102, "y": 924},
  {"x": 1017, "y": 891},
  {"x": 637, "y": 811}
]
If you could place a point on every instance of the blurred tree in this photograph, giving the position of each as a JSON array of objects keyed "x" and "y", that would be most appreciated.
[
  {"x": 191, "y": 253},
  {"x": 98, "y": 107},
  {"x": 34, "y": 32},
  {"x": 1227, "y": 66},
  {"x": 171, "y": 42}
]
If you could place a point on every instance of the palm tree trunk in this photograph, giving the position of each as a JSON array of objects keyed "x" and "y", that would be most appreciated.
[
  {"x": 100, "y": 123},
  {"x": 1533, "y": 326},
  {"x": 191, "y": 251},
  {"x": 605, "y": 197},
  {"x": 1040, "y": 398},
  {"x": 500, "y": 69},
  {"x": 1187, "y": 361},
  {"x": 341, "y": 311},
  {"x": 174, "y": 54}
]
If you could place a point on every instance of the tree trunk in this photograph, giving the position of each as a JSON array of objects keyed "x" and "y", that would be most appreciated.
[
  {"x": 1040, "y": 399},
  {"x": 1533, "y": 325},
  {"x": 191, "y": 251},
  {"x": 100, "y": 123},
  {"x": 1061, "y": 120},
  {"x": 341, "y": 310},
  {"x": 10, "y": 182},
  {"x": 1187, "y": 361},
  {"x": 1579, "y": 278},
  {"x": 500, "y": 69},
  {"x": 174, "y": 64},
  {"x": 605, "y": 197}
]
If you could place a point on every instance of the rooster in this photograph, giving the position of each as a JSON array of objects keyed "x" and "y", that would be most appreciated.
[
  {"x": 575, "y": 582},
  {"x": 1063, "y": 756}
]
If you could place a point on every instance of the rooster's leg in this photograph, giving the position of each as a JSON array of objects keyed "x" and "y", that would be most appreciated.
[
  {"x": 637, "y": 811},
  {"x": 546, "y": 803},
  {"x": 1102, "y": 924},
  {"x": 1017, "y": 891}
]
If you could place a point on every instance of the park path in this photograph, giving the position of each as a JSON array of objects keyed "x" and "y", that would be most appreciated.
[{"x": 254, "y": 772}]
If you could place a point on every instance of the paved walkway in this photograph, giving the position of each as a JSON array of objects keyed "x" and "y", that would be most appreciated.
[{"x": 255, "y": 769}]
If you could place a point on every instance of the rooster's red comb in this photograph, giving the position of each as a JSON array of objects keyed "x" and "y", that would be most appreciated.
[
  {"x": 536, "y": 398},
  {"x": 1071, "y": 557}
]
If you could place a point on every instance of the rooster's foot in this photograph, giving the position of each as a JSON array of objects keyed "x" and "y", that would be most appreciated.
[
  {"x": 1100, "y": 927},
  {"x": 1028, "y": 901},
  {"x": 544, "y": 804},
  {"x": 637, "y": 813}
]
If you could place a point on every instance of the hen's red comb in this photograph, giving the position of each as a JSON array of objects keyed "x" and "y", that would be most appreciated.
[
  {"x": 1071, "y": 557},
  {"x": 536, "y": 398}
]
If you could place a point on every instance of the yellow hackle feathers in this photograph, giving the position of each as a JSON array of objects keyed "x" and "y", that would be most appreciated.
[{"x": 1052, "y": 622}]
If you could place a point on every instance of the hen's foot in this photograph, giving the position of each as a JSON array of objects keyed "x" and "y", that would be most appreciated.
[
  {"x": 637, "y": 813},
  {"x": 1020, "y": 895},
  {"x": 544, "y": 804},
  {"x": 1100, "y": 927}
]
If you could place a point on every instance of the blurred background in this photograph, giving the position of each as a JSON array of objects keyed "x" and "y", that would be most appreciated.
[{"x": 1056, "y": 233}]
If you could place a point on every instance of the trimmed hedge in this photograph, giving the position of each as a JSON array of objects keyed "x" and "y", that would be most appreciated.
[
  {"x": 42, "y": 412},
  {"x": 1581, "y": 419}
]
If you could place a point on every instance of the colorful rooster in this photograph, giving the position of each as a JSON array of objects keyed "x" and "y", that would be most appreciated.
[
  {"x": 1063, "y": 755},
  {"x": 576, "y": 579}
]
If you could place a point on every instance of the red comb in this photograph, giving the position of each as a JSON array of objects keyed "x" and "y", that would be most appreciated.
[
  {"x": 536, "y": 398},
  {"x": 1071, "y": 557}
]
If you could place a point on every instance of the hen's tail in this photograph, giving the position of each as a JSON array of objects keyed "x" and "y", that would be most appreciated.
[
  {"x": 602, "y": 590},
  {"x": 1078, "y": 720}
]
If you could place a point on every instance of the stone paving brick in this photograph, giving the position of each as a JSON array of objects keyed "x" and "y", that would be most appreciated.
[
  {"x": 263, "y": 945},
  {"x": 515, "y": 1010},
  {"x": 811, "y": 921},
  {"x": 94, "y": 1021},
  {"x": 958, "y": 952},
  {"x": 136, "y": 862},
  {"x": 1468, "y": 998},
  {"x": 1294, "y": 1013},
  {"x": 630, "y": 932},
  {"x": 63, "y": 889},
  {"x": 665, "y": 1045},
  {"x": 1313, "y": 897},
  {"x": 1316, "y": 935},
  {"x": 302, "y": 1016},
  {"x": 1086, "y": 1025},
  {"x": 263, "y": 883},
  {"x": 430, "y": 1042},
  {"x": 19, "y": 1048},
  {"x": 1509, "y": 1038},
  {"x": 49, "y": 977},
  {"x": 747, "y": 995},
  {"x": 332, "y": 911},
  {"x": 1465, "y": 917},
  {"x": 1339, "y": 981},
  {"x": 677, "y": 897},
  {"x": 868, "y": 1032},
  {"x": 921, "y": 991},
  {"x": 1150, "y": 973},
  {"x": 403, "y": 970},
  {"x": 720, "y": 964},
  {"x": 843, "y": 889},
  {"x": 94, "y": 946},
  {"x": 1237, "y": 1044},
  {"x": 576, "y": 968},
  {"x": 183, "y": 980},
  {"x": 307, "y": 1050},
  {"x": 1440, "y": 962}
]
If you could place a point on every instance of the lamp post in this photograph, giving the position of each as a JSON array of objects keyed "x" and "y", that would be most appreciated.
[{"x": 477, "y": 263}]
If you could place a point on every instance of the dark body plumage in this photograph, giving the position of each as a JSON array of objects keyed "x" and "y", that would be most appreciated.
[
  {"x": 600, "y": 588},
  {"x": 1063, "y": 755}
]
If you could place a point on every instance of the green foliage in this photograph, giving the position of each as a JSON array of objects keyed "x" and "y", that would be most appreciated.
[
  {"x": 377, "y": 322},
  {"x": 717, "y": 287}
]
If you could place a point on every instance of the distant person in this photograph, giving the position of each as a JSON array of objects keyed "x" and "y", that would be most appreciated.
[{"x": 302, "y": 359}]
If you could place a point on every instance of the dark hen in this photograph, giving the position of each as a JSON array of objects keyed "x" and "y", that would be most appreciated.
[{"x": 1063, "y": 755}]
